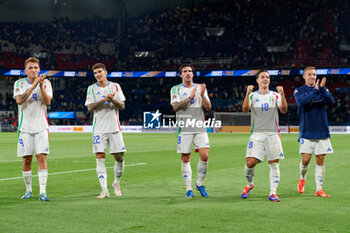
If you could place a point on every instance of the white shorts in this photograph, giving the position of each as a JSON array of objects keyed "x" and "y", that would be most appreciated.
[
  {"x": 316, "y": 146},
  {"x": 261, "y": 144},
  {"x": 114, "y": 140},
  {"x": 33, "y": 143},
  {"x": 199, "y": 140}
]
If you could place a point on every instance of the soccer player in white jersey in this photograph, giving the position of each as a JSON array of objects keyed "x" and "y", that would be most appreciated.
[
  {"x": 188, "y": 99},
  {"x": 105, "y": 98},
  {"x": 33, "y": 94},
  {"x": 264, "y": 138}
]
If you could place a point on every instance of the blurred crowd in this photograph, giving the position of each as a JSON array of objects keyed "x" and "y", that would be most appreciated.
[{"x": 236, "y": 34}]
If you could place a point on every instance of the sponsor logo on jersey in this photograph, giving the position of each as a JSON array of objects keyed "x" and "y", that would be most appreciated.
[
  {"x": 98, "y": 93},
  {"x": 257, "y": 100},
  {"x": 329, "y": 149},
  {"x": 184, "y": 94}
]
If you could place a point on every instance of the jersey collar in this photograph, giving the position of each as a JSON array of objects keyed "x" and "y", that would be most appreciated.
[
  {"x": 105, "y": 86},
  {"x": 186, "y": 87},
  {"x": 261, "y": 94},
  {"x": 28, "y": 80}
]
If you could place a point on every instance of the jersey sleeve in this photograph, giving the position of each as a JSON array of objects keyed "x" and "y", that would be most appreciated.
[
  {"x": 90, "y": 97},
  {"x": 48, "y": 87},
  {"x": 18, "y": 89},
  {"x": 119, "y": 96},
  {"x": 175, "y": 95}
]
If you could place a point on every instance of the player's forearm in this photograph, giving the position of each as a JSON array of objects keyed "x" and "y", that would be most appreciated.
[
  {"x": 118, "y": 104},
  {"x": 94, "y": 106},
  {"x": 20, "y": 99},
  {"x": 206, "y": 104},
  {"x": 304, "y": 98},
  {"x": 284, "y": 106},
  {"x": 182, "y": 104},
  {"x": 245, "y": 105},
  {"x": 46, "y": 97}
]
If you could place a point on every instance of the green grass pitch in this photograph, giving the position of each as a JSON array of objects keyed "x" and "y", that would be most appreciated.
[{"x": 153, "y": 191}]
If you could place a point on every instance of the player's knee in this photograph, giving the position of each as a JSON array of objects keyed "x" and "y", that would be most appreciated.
[
  {"x": 27, "y": 160},
  {"x": 119, "y": 157},
  {"x": 204, "y": 157},
  {"x": 251, "y": 163},
  {"x": 186, "y": 158}
]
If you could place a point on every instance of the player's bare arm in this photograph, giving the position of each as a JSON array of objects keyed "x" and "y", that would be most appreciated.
[
  {"x": 186, "y": 102},
  {"x": 46, "y": 97},
  {"x": 206, "y": 102},
  {"x": 97, "y": 105},
  {"x": 245, "y": 105},
  {"x": 20, "y": 99},
  {"x": 117, "y": 104},
  {"x": 284, "y": 106}
]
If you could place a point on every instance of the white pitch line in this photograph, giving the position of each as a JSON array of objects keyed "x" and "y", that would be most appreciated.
[{"x": 66, "y": 172}]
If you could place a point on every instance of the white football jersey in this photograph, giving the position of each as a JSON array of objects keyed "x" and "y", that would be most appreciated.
[
  {"x": 32, "y": 115},
  {"x": 195, "y": 112},
  {"x": 264, "y": 111},
  {"x": 106, "y": 119}
]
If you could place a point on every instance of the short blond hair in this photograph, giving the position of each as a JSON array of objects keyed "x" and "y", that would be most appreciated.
[
  {"x": 309, "y": 68},
  {"x": 31, "y": 59}
]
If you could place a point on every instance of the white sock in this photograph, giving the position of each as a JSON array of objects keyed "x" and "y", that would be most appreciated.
[
  {"x": 274, "y": 177},
  {"x": 27, "y": 176},
  {"x": 249, "y": 174},
  {"x": 42, "y": 180},
  {"x": 187, "y": 175},
  {"x": 303, "y": 170},
  {"x": 319, "y": 175},
  {"x": 118, "y": 171},
  {"x": 102, "y": 173},
  {"x": 202, "y": 168}
]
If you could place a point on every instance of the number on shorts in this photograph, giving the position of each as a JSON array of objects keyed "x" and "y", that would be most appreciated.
[
  {"x": 265, "y": 107},
  {"x": 192, "y": 101},
  {"x": 20, "y": 141},
  {"x": 35, "y": 97},
  {"x": 179, "y": 140},
  {"x": 250, "y": 145},
  {"x": 96, "y": 140}
]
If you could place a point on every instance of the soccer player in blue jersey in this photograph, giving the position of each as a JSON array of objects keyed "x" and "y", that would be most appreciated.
[{"x": 314, "y": 137}]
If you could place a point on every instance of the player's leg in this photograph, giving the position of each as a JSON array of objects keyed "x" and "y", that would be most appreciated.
[
  {"x": 201, "y": 141},
  {"x": 99, "y": 148},
  {"x": 274, "y": 179},
  {"x": 42, "y": 175},
  {"x": 41, "y": 143},
  {"x": 306, "y": 149},
  {"x": 117, "y": 149},
  {"x": 187, "y": 173},
  {"x": 274, "y": 153},
  {"x": 255, "y": 151},
  {"x": 25, "y": 150},
  {"x": 249, "y": 172},
  {"x": 118, "y": 172},
  {"x": 27, "y": 176},
  {"x": 184, "y": 146},
  {"x": 319, "y": 175},
  {"x": 323, "y": 147},
  {"x": 202, "y": 168}
]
